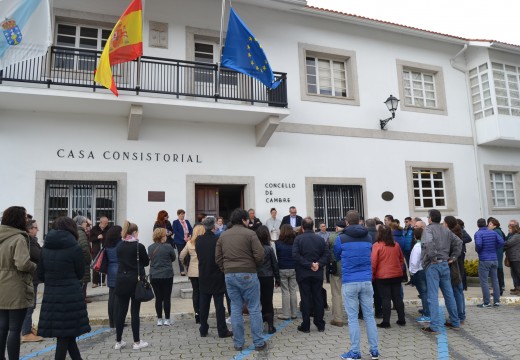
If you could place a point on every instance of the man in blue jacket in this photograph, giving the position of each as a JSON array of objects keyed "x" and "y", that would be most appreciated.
[
  {"x": 486, "y": 244},
  {"x": 311, "y": 255},
  {"x": 354, "y": 248}
]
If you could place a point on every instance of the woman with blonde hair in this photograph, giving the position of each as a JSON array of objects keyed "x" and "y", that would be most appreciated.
[
  {"x": 129, "y": 253},
  {"x": 161, "y": 274},
  {"x": 193, "y": 268}
]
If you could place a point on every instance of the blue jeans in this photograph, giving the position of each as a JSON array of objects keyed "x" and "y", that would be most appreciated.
[
  {"x": 458, "y": 293},
  {"x": 489, "y": 269},
  {"x": 355, "y": 294},
  {"x": 245, "y": 288},
  {"x": 438, "y": 276},
  {"x": 419, "y": 281}
]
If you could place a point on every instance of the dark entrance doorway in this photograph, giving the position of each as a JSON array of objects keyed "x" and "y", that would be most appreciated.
[{"x": 218, "y": 200}]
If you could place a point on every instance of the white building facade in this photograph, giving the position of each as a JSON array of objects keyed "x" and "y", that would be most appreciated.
[{"x": 167, "y": 142}]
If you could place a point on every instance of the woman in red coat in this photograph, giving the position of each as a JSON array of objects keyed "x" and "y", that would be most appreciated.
[{"x": 387, "y": 270}]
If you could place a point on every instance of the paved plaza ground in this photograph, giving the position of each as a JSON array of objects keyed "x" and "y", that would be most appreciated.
[{"x": 487, "y": 334}]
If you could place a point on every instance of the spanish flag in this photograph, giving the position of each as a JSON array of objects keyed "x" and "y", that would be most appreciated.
[{"x": 124, "y": 44}]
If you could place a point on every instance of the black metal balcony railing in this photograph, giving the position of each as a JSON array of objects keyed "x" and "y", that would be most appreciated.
[{"x": 63, "y": 66}]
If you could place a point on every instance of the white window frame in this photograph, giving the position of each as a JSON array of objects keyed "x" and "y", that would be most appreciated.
[
  {"x": 510, "y": 201},
  {"x": 421, "y": 176},
  {"x": 440, "y": 107},
  {"x": 334, "y": 86},
  {"x": 480, "y": 88},
  {"x": 348, "y": 58},
  {"x": 450, "y": 199},
  {"x": 506, "y": 82},
  {"x": 505, "y": 169}
]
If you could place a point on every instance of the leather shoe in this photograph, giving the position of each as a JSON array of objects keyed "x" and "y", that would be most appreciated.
[
  {"x": 321, "y": 330},
  {"x": 306, "y": 331},
  {"x": 237, "y": 348},
  {"x": 261, "y": 347},
  {"x": 203, "y": 335},
  {"x": 336, "y": 323},
  {"x": 88, "y": 300},
  {"x": 226, "y": 335}
]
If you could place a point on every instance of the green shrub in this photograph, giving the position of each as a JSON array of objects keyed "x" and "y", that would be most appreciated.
[{"x": 471, "y": 267}]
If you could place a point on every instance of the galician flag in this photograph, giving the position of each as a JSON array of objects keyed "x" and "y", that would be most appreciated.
[
  {"x": 26, "y": 32},
  {"x": 124, "y": 44}
]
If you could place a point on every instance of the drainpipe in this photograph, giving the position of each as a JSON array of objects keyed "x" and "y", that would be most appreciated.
[{"x": 473, "y": 128}]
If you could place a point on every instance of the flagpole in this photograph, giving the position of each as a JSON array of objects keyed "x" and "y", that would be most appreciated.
[
  {"x": 138, "y": 85},
  {"x": 217, "y": 90}
]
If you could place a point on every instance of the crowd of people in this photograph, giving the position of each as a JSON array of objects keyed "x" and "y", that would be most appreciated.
[{"x": 243, "y": 261}]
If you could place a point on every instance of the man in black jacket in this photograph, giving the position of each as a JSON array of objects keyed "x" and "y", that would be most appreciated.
[
  {"x": 211, "y": 281},
  {"x": 97, "y": 241},
  {"x": 292, "y": 219},
  {"x": 311, "y": 254}
]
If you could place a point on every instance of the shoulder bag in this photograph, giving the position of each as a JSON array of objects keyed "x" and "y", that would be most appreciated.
[
  {"x": 100, "y": 262},
  {"x": 143, "y": 289}
]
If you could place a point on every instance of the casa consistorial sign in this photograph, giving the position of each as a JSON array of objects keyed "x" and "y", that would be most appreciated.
[{"x": 117, "y": 155}]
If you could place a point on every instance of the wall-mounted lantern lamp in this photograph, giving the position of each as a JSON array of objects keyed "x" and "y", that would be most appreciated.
[{"x": 391, "y": 104}]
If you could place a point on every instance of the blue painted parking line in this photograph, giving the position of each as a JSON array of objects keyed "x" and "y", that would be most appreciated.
[
  {"x": 241, "y": 355},
  {"x": 53, "y": 347},
  {"x": 442, "y": 338}
]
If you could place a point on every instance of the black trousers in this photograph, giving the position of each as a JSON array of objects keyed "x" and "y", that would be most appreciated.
[
  {"x": 196, "y": 294},
  {"x": 122, "y": 304},
  {"x": 220, "y": 312},
  {"x": 162, "y": 289},
  {"x": 64, "y": 345},
  {"x": 228, "y": 303},
  {"x": 390, "y": 291},
  {"x": 378, "y": 303},
  {"x": 10, "y": 328},
  {"x": 310, "y": 293},
  {"x": 266, "y": 295},
  {"x": 112, "y": 307}
]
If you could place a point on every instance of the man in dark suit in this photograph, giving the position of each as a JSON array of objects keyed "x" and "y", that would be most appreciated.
[
  {"x": 211, "y": 281},
  {"x": 292, "y": 219},
  {"x": 311, "y": 254}
]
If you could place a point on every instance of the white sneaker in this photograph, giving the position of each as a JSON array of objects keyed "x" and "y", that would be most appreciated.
[
  {"x": 119, "y": 345},
  {"x": 160, "y": 322},
  {"x": 228, "y": 320},
  {"x": 141, "y": 344},
  {"x": 167, "y": 322}
]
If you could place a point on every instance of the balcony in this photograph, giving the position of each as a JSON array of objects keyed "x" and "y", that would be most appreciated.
[
  {"x": 63, "y": 80},
  {"x": 498, "y": 130}
]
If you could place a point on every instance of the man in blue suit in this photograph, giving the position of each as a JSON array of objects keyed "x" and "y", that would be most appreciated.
[
  {"x": 311, "y": 255},
  {"x": 182, "y": 231}
]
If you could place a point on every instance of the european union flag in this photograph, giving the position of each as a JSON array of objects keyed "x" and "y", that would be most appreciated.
[{"x": 243, "y": 53}]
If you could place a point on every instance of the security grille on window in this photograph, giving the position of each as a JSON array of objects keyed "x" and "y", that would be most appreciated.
[
  {"x": 419, "y": 89},
  {"x": 331, "y": 202},
  {"x": 480, "y": 92},
  {"x": 507, "y": 88},
  {"x": 326, "y": 77},
  {"x": 503, "y": 189},
  {"x": 72, "y": 198},
  {"x": 429, "y": 188}
]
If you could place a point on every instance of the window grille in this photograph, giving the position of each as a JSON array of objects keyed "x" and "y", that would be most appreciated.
[
  {"x": 429, "y": 188},
  {"x": 331, "y": 203},
  {"x": 419, "y": 89},
  {"x": 503, "y": 189},
  {"x": 88, "y": 198}
]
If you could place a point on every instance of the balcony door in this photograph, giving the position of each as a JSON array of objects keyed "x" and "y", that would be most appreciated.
[{"x": 207, "y": 51}]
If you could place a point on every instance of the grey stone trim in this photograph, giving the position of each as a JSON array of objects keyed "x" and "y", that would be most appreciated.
[
  {"x": 84, "y": 17},
  {"x": 329, "y": 53},
  {"x": 266, "y": 129},
  {"x": 42, "y": 176},
  {"x": 449, "y": 182},
  {"x": 192, "y": 180},
  {"x": 440, "y": 91},
  {"x": 372, "y": 133},
  {"x": 309, "y": 191},
  {"x": 515, "y": 170},
  {"x": 134, "y": 121}
]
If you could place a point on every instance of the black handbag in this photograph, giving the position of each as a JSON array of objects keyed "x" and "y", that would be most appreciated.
[
  {"x": 143, "y": 289},
  {"x": 186, "y": 260},
  {"x": 333, "y": 267}
]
